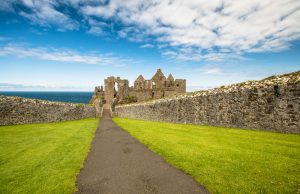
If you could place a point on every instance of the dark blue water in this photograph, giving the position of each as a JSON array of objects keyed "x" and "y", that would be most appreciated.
[{"x": 73, "y": 97}]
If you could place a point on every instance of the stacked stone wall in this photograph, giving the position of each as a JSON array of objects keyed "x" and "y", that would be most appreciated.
[
  {"x": 17, "y": 110},
  {"x": 141, "y": 95},
  {"x": 272, "y": 104}
]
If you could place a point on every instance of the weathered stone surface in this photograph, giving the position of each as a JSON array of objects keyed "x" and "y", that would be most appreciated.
[
  {"x": 17, "y": 110},
  {"x": 272, "y": 104},
  {"x": 117, "y": 89}
]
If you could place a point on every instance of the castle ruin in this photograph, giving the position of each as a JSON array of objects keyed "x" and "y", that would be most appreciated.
[{"x": 117, "y": 90}]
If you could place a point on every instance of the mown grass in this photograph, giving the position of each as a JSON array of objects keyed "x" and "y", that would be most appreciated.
[
  {"x": 225, "y": 160},
  {"x": 43, "y": 158}
]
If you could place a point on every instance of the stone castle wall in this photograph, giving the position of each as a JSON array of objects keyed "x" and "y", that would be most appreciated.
[
  {"x": 141, "y": 95},
  {"x": 17, "y": 110},
  {"x": 272, "y": 104}
]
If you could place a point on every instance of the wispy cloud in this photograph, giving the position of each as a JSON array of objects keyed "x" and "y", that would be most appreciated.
[
  {"x": 196, "y": 54},
  {"x": 7, "y": 5},
  {"x": 211, "y": 70},
  {"x": 197, "y": 88},
  {"x": 40, "y": 87},
  {"x": 214, "y": 71},
  {"x": 97, "y": 28},
  {"x": 97, "y": 31},
  {"x": 4, "y": 38},
  {"x": 44, "y": 13},
  {"x": 62, "y": 55},
  {"x": 133, "y": 34},
  {"x": 147, "y": 46},
  {"x": 213, "y": 30}
]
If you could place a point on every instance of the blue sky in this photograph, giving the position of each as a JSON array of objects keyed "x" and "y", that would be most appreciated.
[{"x": 74, "y": 44}]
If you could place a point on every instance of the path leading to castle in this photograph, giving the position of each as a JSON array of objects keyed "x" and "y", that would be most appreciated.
[{"x": 118, "y": 163}]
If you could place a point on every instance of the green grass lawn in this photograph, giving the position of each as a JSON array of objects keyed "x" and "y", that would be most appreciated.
[
  {"x": 225, "y": 160},
  {"x": 43, "y": 158}
]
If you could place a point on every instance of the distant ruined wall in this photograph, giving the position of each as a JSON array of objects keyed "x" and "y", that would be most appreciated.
[
  {"x": 17, "y": 110},
  {"x": 141, "y": 95},
  {"x": 117, "y": 90},
  {"x": 272, "y": 104}
]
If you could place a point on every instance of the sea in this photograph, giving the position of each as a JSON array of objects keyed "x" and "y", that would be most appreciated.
[{"x": 72, "y": 97}]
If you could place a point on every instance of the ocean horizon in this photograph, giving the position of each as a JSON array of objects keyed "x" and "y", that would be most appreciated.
[{"x": 55, "y": 96}]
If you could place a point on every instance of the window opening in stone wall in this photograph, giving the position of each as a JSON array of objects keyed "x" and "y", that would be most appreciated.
[{"x": 115, "y": 89}]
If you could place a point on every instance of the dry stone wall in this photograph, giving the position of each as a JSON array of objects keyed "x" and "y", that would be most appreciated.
[
  {"x": 272, "y": 104},
  {"x": 17, "y": 110}
]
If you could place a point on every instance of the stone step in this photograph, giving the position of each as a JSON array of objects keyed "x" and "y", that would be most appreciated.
[{"x": 106, "y": 113}]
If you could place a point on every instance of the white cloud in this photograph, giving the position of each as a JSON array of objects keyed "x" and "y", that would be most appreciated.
[
  {"x": 214, "y": 71},
  {"x": 97, "y": 28},
  {"x": 62, "y": 55},
  {"x": 46, "y": 14},
  {"x": 195, "y": 54},
  {"x": 211, "y": 70},
  {"x": 97, "y": 31},
  {"x": 147, "y": 46},
  {"x": 197, "y": 88},
  {"x": 214, "y": 30},
  {"x": 103, "y": 11},
  {"x": 133, "y": 34},
  {"x": 41, "y": 87},
  {"x": 210, "y": 28}
]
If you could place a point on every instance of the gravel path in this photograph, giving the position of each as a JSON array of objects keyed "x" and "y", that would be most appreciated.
[{"x": 119, "y": 164}]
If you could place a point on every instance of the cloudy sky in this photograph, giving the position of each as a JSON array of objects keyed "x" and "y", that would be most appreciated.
[{"x": 75, "y": 44}]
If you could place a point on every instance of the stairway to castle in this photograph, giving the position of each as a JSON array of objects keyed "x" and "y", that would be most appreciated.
[{"x": 106, "y": 113}]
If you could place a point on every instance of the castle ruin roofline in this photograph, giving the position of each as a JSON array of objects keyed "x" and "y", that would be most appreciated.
[
  {"x": 142, "y": 89},
  {"x": 158, "y": 74},
  {"x": 140, "y": 78},
  {"x": 170, "y": 77}
]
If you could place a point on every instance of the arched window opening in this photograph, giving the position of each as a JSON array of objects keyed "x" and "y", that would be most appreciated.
[{"x": 115, "y": 89}]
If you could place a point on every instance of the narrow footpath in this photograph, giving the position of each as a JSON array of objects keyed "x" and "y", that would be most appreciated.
[{"x": 119, "y": 164}]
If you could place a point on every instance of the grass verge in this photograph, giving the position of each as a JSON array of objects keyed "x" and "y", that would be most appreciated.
[
  {"x": 225, "y": 160},
  {"x": 43, "y": 158}
]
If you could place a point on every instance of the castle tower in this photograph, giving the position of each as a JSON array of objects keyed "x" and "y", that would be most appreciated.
[
  {"x": 170, "y": 77},
  {"x": 139, "y": 83},
  {"x": 109, "y": 84},
  {"x": 158, "y": 79},
  {"x": 170, "y": 82},
  {"x": 180, "y": 85}
]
